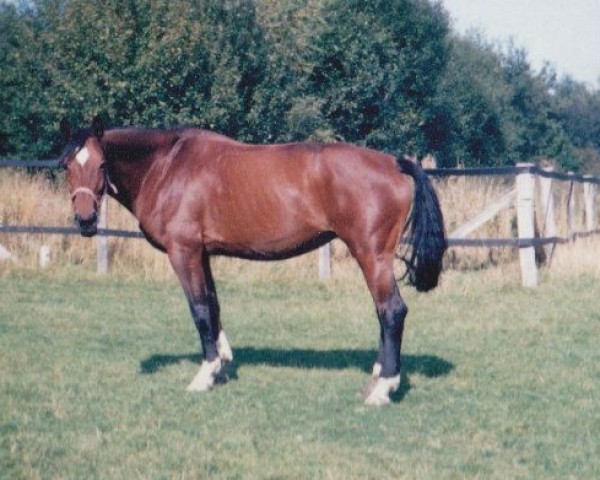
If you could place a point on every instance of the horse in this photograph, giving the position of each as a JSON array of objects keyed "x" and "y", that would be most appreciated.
[{"x": 197, "y": 194}]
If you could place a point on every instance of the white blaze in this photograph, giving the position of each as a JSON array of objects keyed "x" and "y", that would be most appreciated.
[{"x": 82, "y": 156}]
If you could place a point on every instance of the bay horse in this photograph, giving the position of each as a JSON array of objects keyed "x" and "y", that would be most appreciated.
[{"x": 196, "y": 194}]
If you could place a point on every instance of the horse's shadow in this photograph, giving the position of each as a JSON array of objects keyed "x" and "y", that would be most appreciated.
[{"x": 427, "y": 365}]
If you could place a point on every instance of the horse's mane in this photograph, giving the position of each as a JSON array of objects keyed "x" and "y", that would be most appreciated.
[
  {"x": 136, "y": 137},
  {"x": 139, "y": 142},
  {"x": 75, "y": 143},
  {"x": 127, "y": 138}
]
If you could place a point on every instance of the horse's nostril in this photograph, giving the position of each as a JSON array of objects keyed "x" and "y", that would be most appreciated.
[{"x": 86, "y": 222}]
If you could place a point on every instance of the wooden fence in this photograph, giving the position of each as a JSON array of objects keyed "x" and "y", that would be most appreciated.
[{"x": 522, "y": 195}]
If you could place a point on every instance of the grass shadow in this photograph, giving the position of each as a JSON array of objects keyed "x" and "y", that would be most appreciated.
[{"x": 429, "y": 366}]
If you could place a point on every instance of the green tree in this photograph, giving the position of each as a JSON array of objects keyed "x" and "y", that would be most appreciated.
[
  {"x": 384, "y": 73},
  {"x": 376, "y": 67},
  {"x": 136, "y": 61},
  {"x": 284, "y": 107},
  {"x": 23, "y": 80},
  {"x": 536, "y": 133},
  {"x": 578, "y": 112},
  {"x": 491, "y": 109},
  {"x": 469, "y": 125}
]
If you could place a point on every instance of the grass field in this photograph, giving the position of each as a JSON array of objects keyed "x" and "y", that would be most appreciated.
[{"x": 498, "y": 381}]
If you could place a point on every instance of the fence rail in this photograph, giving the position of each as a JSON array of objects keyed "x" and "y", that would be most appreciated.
[
  {"x": 29, "y": 163},
  {"x": 452, "y": 242},
  {"x": 512, "y": 171},
  {"x": 40, "y": 229},
  {"x": 524, "y": 194}
]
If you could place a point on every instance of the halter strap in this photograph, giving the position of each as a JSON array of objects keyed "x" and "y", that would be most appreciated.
[
  {"x": 87, "y": 191},
  {"x": 109, "y": 184}
]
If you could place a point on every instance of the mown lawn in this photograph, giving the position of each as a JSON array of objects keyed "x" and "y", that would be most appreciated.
[{"x": 498, "y": 382}]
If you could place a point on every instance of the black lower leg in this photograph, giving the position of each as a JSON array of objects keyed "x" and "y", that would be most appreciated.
[
  {"x": 391, "y": 318},
  {"x": 201, "y": 312},
  {"x": 381, "y": 352},
  {"x": 213, "y": 301}
]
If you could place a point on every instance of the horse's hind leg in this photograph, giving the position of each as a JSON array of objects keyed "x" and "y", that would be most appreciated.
[
  {"x": 223, "y": 347},
  {"x": 391, "y": 312},
  {"x": 193, "y": 271},
  {"x": 386, "y": 371}
]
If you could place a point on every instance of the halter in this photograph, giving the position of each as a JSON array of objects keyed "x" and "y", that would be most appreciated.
[
  {"x": 87, "y": 191},
  {"x": 91, "y": 193}
]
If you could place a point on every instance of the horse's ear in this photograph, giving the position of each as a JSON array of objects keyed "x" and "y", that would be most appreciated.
[
  {"x": 65, "y": 129},
  {"x": 97, "y": 127}
]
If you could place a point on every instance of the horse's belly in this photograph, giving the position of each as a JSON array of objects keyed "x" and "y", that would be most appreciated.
[
  {"x": 267, "y": 245},
  {"x": 267, "y": 223}
]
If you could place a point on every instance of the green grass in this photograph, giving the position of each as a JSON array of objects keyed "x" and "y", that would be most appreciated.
[{"x": 498, "y": 382}]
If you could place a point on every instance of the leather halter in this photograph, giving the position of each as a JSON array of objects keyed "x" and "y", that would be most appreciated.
[{"x": 88, "y": 191}]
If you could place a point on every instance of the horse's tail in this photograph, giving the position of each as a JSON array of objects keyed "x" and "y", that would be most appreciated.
[{"x": 424, "y": 231}]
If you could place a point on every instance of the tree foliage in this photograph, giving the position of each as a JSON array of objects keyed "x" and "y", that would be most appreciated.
[
  {"x": 470, "y": 108},
  {"x": 386, "y": 74}
]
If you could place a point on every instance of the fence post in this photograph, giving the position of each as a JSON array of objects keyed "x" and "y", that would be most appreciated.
[
  {"x": 5, "y": 254},
  {"x": 525, "y": 222},
  {"x": 547, "y": 204},
  {"x": 588, "y": 199},
  {"x": 101, "y": 240},
  {"x": 44, "y": 256},
  {"x": 325, "y": 262},
  {"x": 571, "y": 209}
]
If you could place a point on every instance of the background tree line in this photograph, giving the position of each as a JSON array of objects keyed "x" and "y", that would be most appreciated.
[{"x": 386, "y": 74}]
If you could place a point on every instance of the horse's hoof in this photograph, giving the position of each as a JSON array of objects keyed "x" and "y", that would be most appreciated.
[
  {"x": 206, "y": 376},
  {"x": 194, "y": 387},
  {"x": 368, "y": 386},
  {"x": 377, "y": 401},
  {"x": 377, "y": 390}
]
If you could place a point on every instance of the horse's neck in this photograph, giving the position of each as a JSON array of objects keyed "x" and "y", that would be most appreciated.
[
  {"x": 126, "y": 182},
  {"x": 128, "y": 165}
]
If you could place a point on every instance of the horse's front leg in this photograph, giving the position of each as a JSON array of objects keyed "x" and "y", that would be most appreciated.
[{"x": 193, "y": 270}]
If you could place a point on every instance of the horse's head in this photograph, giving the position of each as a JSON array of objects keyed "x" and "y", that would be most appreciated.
[{"x": 84, "y": 161}]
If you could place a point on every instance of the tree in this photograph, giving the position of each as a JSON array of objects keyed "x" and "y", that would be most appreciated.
[
  {"x": 469, "y": 125},
  {"x": 284, "y": 107},
  {"x": 385, "y": 73},
  {"x": 136, "y": 61},
  {"x": 376, "y": 67},
  {"x": 537, "y": 133},
  {"x": 578, "y": 112},
  {"x": 491, "y": 109},
  {"x": 22, "y": 84}
]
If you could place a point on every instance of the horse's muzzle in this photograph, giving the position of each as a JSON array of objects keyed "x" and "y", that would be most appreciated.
[{"x": 87, "y": 226}]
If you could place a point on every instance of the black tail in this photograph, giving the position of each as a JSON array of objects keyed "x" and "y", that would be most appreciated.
[{"x": 425, "y": 230}]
